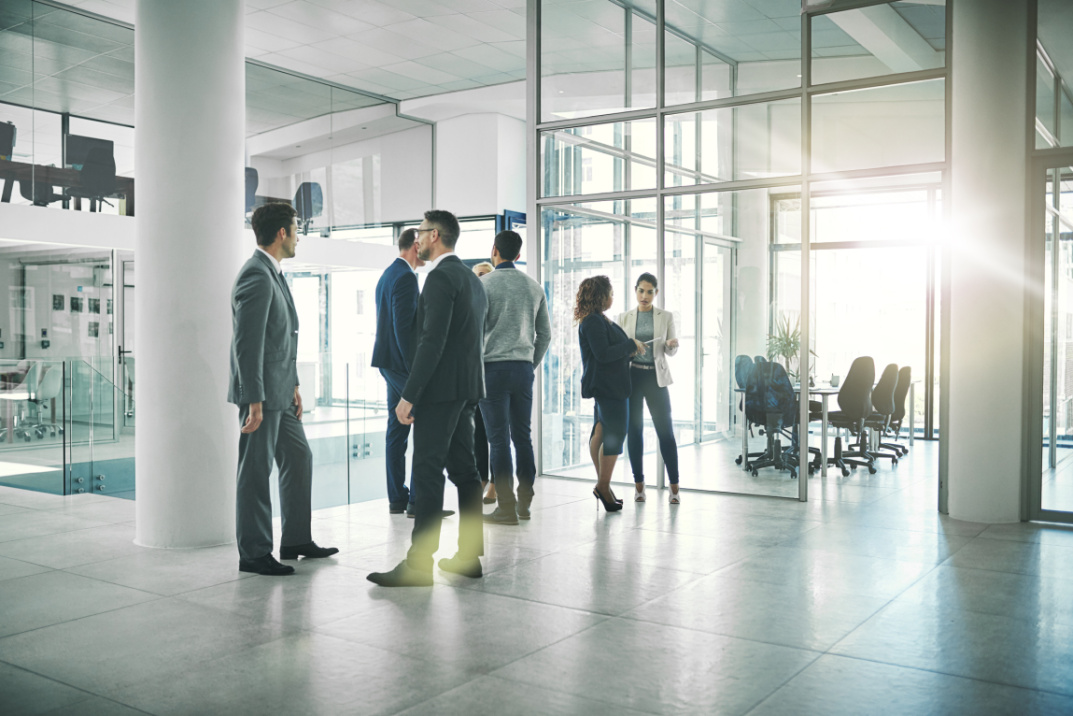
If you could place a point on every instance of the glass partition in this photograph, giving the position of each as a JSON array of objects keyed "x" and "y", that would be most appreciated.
[{"x": 599, "y": 158}]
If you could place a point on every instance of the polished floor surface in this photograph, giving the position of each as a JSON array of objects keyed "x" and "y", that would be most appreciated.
[{"x": 861, "y": 601}]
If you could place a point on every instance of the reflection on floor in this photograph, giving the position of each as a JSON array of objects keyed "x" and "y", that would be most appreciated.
[
  {"x": 1058, "y": 486},
  {"x": 861, "y": 601},
  {"x": 711, "y": 466}
]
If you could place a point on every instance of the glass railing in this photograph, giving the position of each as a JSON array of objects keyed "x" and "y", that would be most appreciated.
[{"x": 67, "y": 427}]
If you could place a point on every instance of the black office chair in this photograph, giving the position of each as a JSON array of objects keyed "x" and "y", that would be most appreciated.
[
  {"x": 98, "y": 178},
  {"x": 771, "y": 395},
  {"x": 883, "y": 409},
  {"x": 743, "y": 368},
  {"x": 251, "y": 188},
  {"x": 894, "y": 428},
  {"x": 855, "y": 405},
  {"x": 38, "y": 193},
  {"x": 309, "y": 203}
]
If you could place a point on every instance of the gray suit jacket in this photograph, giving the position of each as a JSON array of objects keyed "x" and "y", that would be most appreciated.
[{"x": 264, "y": 343}]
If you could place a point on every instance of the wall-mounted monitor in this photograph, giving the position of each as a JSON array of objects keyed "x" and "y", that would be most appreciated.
[{"x": 78, "y": 149}]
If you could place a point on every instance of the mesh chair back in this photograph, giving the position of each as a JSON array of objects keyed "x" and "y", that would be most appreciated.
[
  {"x": 251, "y": 188},
  {"x": 883, "y": 393},
  {"x": 308, "y": 200},
  {"x": 905, "y": 377},
  {"x": 756, "y": 395},
  {"x": 855, "y": 396},
  {"x": 780, "y": 393},
  {"x": 743, "y": 366}
]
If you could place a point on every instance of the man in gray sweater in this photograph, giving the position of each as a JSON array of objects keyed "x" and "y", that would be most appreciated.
[{"x": 517, "y": 332}]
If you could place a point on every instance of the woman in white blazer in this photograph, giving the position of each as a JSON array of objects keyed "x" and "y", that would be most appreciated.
[{"x": 650, "y": 377}]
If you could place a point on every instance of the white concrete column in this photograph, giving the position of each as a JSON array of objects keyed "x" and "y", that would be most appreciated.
[
  {"x": 987, "y": 260},
  {"x": 189, "y": 149}
]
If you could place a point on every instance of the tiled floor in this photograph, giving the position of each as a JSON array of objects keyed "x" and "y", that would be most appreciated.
[{"x": 862, "y": 601}]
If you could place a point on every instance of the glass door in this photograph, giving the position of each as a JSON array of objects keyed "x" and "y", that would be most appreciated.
[
  {"x": 714, "y": 419},
  {"x": 1056, "y": 483}
]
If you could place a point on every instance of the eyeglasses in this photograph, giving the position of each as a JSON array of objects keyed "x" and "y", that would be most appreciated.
[{"x": 421, "y": 230}]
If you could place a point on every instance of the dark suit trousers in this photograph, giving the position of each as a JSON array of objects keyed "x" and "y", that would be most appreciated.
[
  {"x": 395, "y": 442},
  {"x": 280, "y": 438},
  {"x": 443, "y": 438}
]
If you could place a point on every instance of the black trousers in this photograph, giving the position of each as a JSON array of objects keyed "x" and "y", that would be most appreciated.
[{"x": 443, "y": 438}]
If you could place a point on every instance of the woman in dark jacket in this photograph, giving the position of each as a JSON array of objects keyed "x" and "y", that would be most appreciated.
[{"x": 605, "y": 356}]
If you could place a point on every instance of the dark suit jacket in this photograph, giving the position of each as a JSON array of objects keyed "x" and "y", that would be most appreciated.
[
  {"x": 448, "y": 359},
  {"x": 605, "y": 354},
  {"x": 396, "y": 307},
  {"x": 264, "y": 343}
]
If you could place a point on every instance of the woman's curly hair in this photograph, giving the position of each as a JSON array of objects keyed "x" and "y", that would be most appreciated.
[{"x": 591, "y": 297}]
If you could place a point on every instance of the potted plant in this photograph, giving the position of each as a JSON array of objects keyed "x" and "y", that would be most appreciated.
[{"x": 784, "y": 344}]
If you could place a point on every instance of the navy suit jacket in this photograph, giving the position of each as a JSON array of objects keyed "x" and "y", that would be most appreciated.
[{"x": 396, "y": 307}]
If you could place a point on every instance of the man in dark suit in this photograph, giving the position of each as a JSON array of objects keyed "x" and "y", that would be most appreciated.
[
  {"x": 439, "y": 398},
  {"x": 396, "y": 307},
  {"x": 264, "y": 385}
]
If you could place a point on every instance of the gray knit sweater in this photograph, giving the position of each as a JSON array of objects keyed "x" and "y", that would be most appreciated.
[{"x": 517, "y": 326}]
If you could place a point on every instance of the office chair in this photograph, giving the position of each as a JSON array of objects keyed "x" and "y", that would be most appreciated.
[
  {"x": 38, "y": 193},
  {"x": 855, "y": 404},
  {"x": 50, "y": 386},
  {"x": 251, "y": 188},
  {"x": 905, "y": 378},
  {"x": 769, "y": 395},
  {"x": 743, "y": 368},
  {"x": 19, "y": 429},
  {"x": 883, "y": 409},
  {"x": 98, "y": 178},
  {"x": 309, "y": 203}
]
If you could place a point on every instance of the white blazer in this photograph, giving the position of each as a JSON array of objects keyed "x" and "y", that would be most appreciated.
[{"x": 662, "y": 331}]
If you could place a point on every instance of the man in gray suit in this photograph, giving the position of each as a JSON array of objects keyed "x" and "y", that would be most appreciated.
[{"x": 264, "y": 385}]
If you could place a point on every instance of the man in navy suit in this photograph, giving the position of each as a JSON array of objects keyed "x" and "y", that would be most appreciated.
[{"x": 396, "y": 306}]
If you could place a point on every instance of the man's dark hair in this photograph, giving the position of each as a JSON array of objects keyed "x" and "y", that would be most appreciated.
[
  {"x": 509, "y": 245},
  {"x": 646, "y": 277},
  {"x": 406, "y": 239},
  {"x": 447, "y": 224},
  {"x": 268, "y": 219}
]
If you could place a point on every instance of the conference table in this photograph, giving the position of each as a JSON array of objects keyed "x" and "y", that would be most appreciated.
[
  {"x": 11, "y": 172},
  {"x": 824, "y": 391}
]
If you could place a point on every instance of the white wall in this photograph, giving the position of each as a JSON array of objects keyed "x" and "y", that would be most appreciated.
[{"x": 480, "y": 164}]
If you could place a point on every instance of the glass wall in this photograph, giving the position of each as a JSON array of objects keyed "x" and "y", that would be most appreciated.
[{"x": 722, "y": 199}]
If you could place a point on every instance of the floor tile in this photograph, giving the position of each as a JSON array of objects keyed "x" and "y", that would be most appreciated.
[
  {"x": 306, "y": 673},
  {"x": 167, "y": 572},
  {"x": 949, "y": 640},
  {"x": 572, "y": 581},
  {"x": 15, "y": 568},
  {"x": 24, "y": 693},
  {"x": 693, "y": 553},
  {"x": 837, "y": 686},
  {"x": 661, "y": 669},
  {"x": 903, "y": 545},
  {"x": 441, "y": 627},
  {"x": 70, "y": 549},
  {"x": 1000, "y": 555},
  {"x": 154, "y": 641},
  {"x": 1031, "y": 598},
  {"x": 491, "y": 695},
  {"x": 843, "y": 573},
  {"x": 40, "y": 523},
  {"x": 810, "y": 618},
  {"x": 48, "y": 598}
]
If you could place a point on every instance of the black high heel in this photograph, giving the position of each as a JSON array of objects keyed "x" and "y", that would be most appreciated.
[{"x": 611, "y": 506}]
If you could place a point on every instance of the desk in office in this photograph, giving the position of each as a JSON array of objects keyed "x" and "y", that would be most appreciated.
[{"x": 58, "y": 176}]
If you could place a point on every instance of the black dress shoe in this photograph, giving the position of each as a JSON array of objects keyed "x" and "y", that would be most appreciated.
[
  {"x": 411, "y": 515},
  {"x": 466, "y": 567},
  {"x": 499, "y": 516},
  {"x": 310, "y": 549},
  {"x": 402, "y": 576},
  {"x": 396, "y": 509},
  {"x": 266, "y": 565}
]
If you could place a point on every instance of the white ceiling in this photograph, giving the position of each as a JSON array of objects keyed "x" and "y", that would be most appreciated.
[{"x": 396, "y": 48}]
